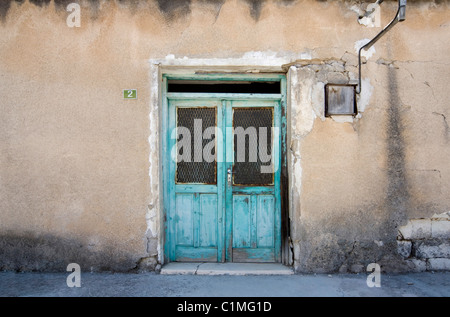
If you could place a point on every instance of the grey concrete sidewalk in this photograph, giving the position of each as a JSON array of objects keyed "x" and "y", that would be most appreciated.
[{"x": 159, "y": 285}]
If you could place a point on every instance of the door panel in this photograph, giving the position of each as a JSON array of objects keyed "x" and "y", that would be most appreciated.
[
  {"x": 196, "y": 227},
  {"x": 184, "y": 219},
  {"x": 253, "y": 221},
  {"x": 265, "y": 215},
  {"x": 208, "y": 220},
  {"x": 242, "y": 222},
  {"x": 253, "y": 228}
]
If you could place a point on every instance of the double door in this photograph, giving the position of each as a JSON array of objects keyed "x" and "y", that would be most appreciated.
[{"x": 224, "y": 180}]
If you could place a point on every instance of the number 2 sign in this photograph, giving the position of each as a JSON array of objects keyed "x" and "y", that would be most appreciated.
[{"x": 130, "y": 94}]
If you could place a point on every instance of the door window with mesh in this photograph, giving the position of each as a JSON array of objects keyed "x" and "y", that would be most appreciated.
[
  {"x": 194, "y": 167},
  {"x": 252, "y": 145}
]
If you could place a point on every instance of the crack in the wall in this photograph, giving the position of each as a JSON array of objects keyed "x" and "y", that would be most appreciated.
[
  {"x": 432, "y": 91},
  {"x": 428, "y": 170},
  {"x": 196, "y": 269},
  {"x": 446, "y": 126},
  {"x": 351, "y": 251},
  {"x": 218, "y": 4}
]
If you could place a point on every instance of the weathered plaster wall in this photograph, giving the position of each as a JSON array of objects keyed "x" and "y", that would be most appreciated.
[
  {"x": 362, "y": 179},
  {"x": 79, "y": 170}
]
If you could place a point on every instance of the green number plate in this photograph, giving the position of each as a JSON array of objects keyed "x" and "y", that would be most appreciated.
[{"x": 130, "y": 93}]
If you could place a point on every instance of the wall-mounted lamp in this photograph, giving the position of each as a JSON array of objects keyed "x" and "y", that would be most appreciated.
[{"x": 399, "y": 17}]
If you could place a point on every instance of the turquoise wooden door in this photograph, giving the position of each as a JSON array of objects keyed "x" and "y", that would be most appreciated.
[
  {"x": 224, "y": 180},
  {"x": 253, "y": 181}
]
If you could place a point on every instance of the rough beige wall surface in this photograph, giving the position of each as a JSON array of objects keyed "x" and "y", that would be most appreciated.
[
  {"x": 79, "y": 178},
  {"x": 362, "y": 179}
]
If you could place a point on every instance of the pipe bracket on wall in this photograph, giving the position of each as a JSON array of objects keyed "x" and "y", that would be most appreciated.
[{"x": 399, "y": 17}]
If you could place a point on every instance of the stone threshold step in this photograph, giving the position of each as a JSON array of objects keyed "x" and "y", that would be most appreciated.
[{"x": 226, "y": 269}]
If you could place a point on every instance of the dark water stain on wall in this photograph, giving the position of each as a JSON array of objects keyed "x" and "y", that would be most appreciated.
[
  {"x": 255, "y": 8},
  {"x": 397, "y": 195},
  {"x": 286, "y": 2},
  {"x": 95, "y": 8},
  {"x": 4, "y": 7},
  {"x": 217, "y": 4},
  {"x": 62, "y": 4},
  {"x": 27, "y": 251},
  {"x": 40, "y": 3},
  {"x": 172, "y": 9}
]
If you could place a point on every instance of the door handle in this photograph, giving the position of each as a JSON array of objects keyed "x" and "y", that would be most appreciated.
[{"x": 229, "y": 176}]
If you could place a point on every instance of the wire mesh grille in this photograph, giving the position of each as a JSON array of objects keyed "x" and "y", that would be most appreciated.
[
  {"x": 248, "y": 156},
  {"x": 196, "y": 169}
]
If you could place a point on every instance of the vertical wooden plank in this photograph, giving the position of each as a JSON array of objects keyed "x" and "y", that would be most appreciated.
[
  {"x": 171, "y": 182},
  {"x": 196, "y": 220},
  {"x": 277, "y": 207},
  {"x": 208, "y": 220},
  {"x": 283, "y": 121},
  {"x": 229, "y": 156},
  {"x": 241, "y": 221},
  {"x": 221, "y": 182},
  {"x": 164, "y": 168},
  {"x": 253, "y": 219},
  {"x": 266, "y": 225},
  {"x": 184, "y": 219},
  {"x": 284, "y": 175}
]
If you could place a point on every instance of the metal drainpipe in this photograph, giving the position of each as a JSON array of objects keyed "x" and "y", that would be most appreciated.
[{"x": 399, "y": 17}]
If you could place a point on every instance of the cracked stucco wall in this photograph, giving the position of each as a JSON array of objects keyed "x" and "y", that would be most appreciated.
[
  {"x": 80, "y": 172},
  {"x": 356, "y": 180}
]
